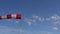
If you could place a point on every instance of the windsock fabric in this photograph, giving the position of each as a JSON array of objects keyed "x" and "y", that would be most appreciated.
[
  {"x": 10, "y": 16},
  {"x": 18, "y": 16},
  {"x": 0, "y": 17}
]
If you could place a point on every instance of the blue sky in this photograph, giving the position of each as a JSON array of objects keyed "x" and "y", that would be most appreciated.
[{"x": 38, "y": 17}]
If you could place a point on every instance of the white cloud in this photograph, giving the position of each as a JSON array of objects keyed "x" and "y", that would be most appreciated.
[
  {"x": 14, "y": 21},
  {"x": 55, "y": 28},
  {"x": 33, "y": 20},
  {"x": 35, "y": 16},
  {"x": 56, "y": 22},
  {"x": 38, "y": 18},
  {"x": 29, "y": 23},
  {"x": 49, "y": 33},
  {"x": 36, "y": 32},
  {"x": 6, "y": 30},
  {"x": 45, "y": 32},
  {"x": 54, "y": 17},
  {"x": 41, "y": 19},
  {"x": 17, "y": 30}
]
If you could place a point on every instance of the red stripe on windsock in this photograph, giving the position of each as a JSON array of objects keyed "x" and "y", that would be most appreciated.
[
  {"x": 9, "y": 16},
  {"x": 18, "y": 16},
  {"x": 0, "y": 17}
]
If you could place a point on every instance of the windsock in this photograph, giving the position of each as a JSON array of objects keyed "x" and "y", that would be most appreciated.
[{"x": 10, "y": 16}]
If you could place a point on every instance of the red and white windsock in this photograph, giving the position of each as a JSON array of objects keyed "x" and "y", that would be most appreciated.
[{"x": 10, "y": 16}]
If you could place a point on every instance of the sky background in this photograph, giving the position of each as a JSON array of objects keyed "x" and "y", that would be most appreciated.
[{"x": 38, "y": 17}]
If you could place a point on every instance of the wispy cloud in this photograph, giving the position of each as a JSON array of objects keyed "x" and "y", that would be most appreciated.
[
  {"x": 35, "y": 16},
  {"x": 54, "y": 19},
  {"x": 49, "y": 32},
  {"x": 55, "y": 28},
  {"x": 37, "y": 32},
  {"x": 6, "y": 30},
  {"x": 35, "y": 19},
  {"x": 38, "y": 18},
  {"x": 30, "y": 21},
  {"x": 14, "y": 21}
]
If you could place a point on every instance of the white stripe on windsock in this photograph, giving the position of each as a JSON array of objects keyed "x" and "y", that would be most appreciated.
[
  {"x": 4, "y": 17},
  {"x": 13, "y": 15}
]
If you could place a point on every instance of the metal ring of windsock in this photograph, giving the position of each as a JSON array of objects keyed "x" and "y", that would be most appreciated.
[{"x": 10, "y": 16}]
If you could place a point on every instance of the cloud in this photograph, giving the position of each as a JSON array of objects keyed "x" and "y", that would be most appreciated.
[
  {"x": 33, "y": 20},
  {"x": 35, "y": 16},
  {"x": 44, "y": 32},
  {"x": 38, "y": 18},
  {"x": 54, "y": 17},
  {"x": 41, "y": 19},
  {"x": 30, "y": 21},
  {"x": 49, "y": 33},
  {"x": 53, "y": 28},
  {"x": 36, "y": 32},
  {"x": 14, "y": 21},
  {"x": 7, "y": 30}
]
